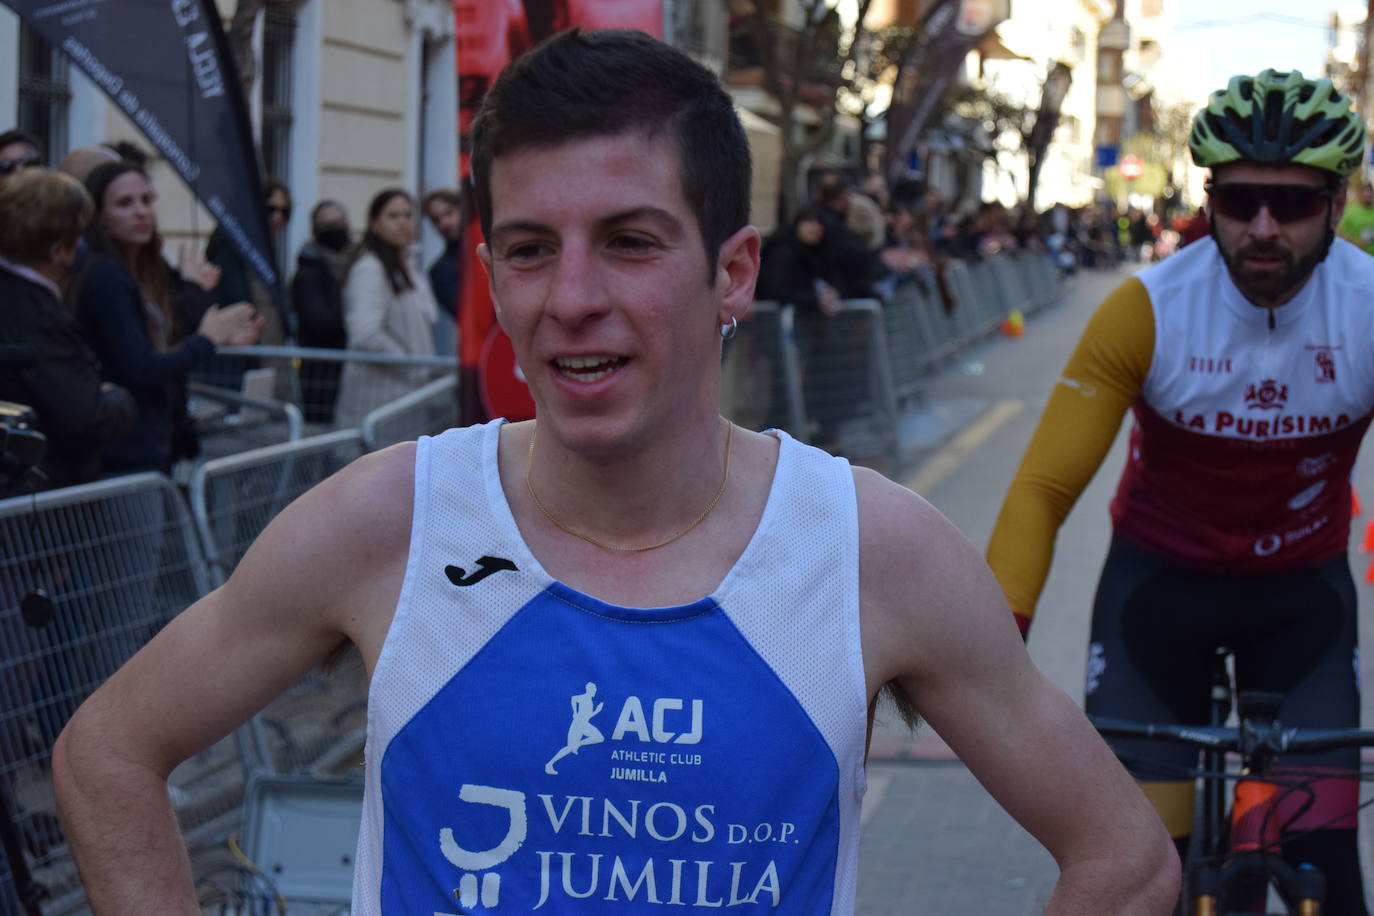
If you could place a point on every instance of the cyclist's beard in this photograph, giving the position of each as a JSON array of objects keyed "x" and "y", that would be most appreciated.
[{"x": 1266, "y": 287}]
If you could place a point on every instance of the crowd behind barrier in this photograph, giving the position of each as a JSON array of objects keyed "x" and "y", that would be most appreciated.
[
  {"x": 119, "y": 558},
  {"x": 849, "y": 387},
  {"x": 89, "y": 573}
]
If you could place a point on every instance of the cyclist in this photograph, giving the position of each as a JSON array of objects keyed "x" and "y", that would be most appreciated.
[
  {"x": 721, "y": 661},
  {"x": 1246, "y": 362}
]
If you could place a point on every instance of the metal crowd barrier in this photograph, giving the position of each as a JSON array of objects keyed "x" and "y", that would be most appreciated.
[
  {"x": 761, "y": 372},
  {"x": 845, "y": 382},
  {"x": 87, "y": 575},
  {"x": 920, "y": 335},
  {"x": 233, "y": 498},
  {"x": 228, "y": 422},
  {"x": 304, "y": 750},
  {"x": 316, "y": 727},
  {"x": 315, "y": 379},
  {"x": 118, "y": 559},
  {"x": 426, "y": 411}
]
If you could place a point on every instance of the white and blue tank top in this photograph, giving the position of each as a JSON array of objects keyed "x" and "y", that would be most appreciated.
[{"x": 532, "y": 749}]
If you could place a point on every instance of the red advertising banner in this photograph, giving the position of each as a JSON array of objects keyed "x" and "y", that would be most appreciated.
[{"x": 489, "y": 35}]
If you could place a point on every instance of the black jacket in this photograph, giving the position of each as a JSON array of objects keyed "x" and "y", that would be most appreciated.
[
  {"x": 318, "y": 301},
  {"x": 443, "y": 279},
  {"x": 110, "y": 308},
  {"x": 75, "y": 415}
]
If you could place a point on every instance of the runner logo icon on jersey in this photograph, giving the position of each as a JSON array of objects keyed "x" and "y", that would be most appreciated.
[{"x": 669, "y": 720}]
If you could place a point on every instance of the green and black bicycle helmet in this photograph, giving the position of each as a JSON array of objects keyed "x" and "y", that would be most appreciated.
[{"x": 1279, "y": 118}]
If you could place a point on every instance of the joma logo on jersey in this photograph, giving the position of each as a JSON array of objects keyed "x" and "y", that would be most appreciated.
[{"x": 668, "y": 720}]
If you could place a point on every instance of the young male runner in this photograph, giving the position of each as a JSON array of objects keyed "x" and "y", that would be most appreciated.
[
  {"x": 624, "y": 656},
  {"x": 1246, "y": 360}
]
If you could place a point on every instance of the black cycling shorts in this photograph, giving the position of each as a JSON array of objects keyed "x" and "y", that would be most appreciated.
[{"x": 1156, "y": 627}]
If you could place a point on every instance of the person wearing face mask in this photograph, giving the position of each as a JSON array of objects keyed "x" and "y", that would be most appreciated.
[
  {"x": 42, "y": 216},
  {"x": 386, "y": 309},
  {"x": 317, "y": 297},
  {"x": 126, "y": 299}
]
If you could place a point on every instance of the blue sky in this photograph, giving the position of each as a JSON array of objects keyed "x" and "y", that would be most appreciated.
[{"x": 1220, "y": 38}]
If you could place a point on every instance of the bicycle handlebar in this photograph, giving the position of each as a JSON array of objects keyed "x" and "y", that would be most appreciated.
[{"x": 1247, "y": 737}]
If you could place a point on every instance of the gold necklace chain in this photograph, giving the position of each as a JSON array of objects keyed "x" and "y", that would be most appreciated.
[{"x": 529, "y": 463}]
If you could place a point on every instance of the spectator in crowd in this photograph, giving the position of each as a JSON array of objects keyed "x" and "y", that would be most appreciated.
[
  {"x": 385, "y": 309},
  {"x": 42, "y": 217},
  {"x": 238, "y": 282},
  {"x": 874, "y": 187},
  {"x": 991, "y": 234},
  {"x": 19, "y": 150},
  {"x": 1024, "y": 225},
  {"x": 906, "y": 253},
  {"x": 864, "y": 217},
  {"x": 1194, "y": 228},
  {"x": 805, "y": 266},
  {"x": 850, "y": 251},
  {"x": 799, "y": 269},
  {"x": 317, "y": 296},
  {"x": 444, "y": 208},
  {"x": 1140, "y": 236},
  {"x": 131, "y": 152},
  {"x": 80, "y": 162},
  {"x": 136, "y": 310},
  {"x": 1357, "y": 223}
]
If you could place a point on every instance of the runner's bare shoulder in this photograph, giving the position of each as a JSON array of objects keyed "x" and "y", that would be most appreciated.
[{"x": 349, "y": 531}]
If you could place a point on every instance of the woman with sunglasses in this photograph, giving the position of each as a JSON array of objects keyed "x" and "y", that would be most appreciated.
[
  {"x": 18, "y": 151},
  {"x": 239, "y": 283},
  {"x": 386, "y": 310},
  {"x": 1246, "y": 362},
  {"x": 147, "y": 325}
]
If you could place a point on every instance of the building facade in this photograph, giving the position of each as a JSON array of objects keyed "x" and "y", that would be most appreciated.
[
  {"x": 350, "y": 96},
  {"x": 1043, "y": 33}
]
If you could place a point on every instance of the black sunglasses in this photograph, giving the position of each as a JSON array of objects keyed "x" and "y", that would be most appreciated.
[
  {"x": 273, "y": 208},
  {"x": 1286, "y": 202},
  {"x": 11, "y": 165}
]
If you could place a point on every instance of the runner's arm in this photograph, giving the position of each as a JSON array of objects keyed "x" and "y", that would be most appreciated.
[
  {"x": 299, "y": 591},
  {"x": 1103, "y": 376},
  {"x": 937, "y": 627}
]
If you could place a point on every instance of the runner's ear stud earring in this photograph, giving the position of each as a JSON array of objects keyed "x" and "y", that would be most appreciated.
[{"x": 728, "y": 330}]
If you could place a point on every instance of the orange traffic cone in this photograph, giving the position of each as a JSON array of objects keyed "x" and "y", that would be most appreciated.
[
  {"x": 1369, "y": 573},
  {"x": 1355, "y": 507},
  {"x": 1014, "y": 325}
]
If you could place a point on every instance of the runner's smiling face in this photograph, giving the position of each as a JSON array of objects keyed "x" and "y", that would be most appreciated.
[
  {"x": 1269, "y": 260},
  {"x": 596, "y": 267}
]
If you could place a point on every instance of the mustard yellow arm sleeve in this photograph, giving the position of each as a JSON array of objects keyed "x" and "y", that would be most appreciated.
[{"x": 1103, "y": 376}]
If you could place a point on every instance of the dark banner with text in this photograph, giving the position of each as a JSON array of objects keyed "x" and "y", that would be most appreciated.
[
  {"x": 167, "y": 66},
  {"x": 950, "y": 30}
]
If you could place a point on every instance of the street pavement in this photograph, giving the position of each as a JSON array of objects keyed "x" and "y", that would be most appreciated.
[{"x": 934, "y": 842}]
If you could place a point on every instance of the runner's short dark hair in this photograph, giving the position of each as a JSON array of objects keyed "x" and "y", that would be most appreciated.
[{"x": 579, "y": 85}]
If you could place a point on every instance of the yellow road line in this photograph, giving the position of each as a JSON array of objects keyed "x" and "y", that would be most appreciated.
[{"x": 947, "y": 460}]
